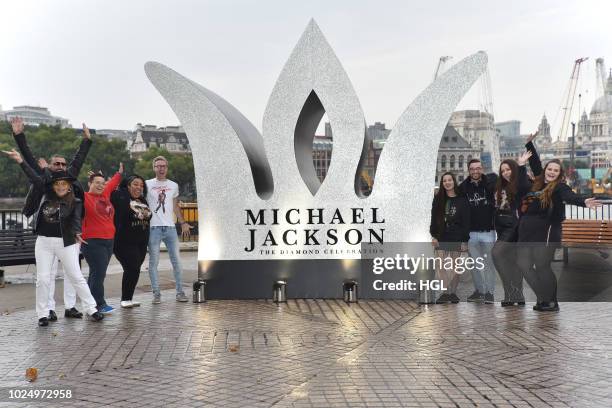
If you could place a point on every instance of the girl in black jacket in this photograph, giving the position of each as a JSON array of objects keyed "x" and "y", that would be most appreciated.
[
  {"x": 539, "y": 232},
  {"x": 132, "y": 215},
  {"x": 512, "y": 185},
  {"x": 57, "y": 222},
  {"x": 450, "y": 229}
]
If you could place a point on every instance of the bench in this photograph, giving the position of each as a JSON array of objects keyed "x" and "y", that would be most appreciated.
[
  {"x": 595, "y": 234},
  {"x": 17, "y": 247}
]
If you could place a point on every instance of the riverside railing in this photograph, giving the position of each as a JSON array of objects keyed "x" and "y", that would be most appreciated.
[{"x": 14, "y": 219}]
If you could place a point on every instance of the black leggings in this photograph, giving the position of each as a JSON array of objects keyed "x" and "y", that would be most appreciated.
[
  {"x": 131, "y": 256},
  {"x": 542, "y": 280},
  {"x": 505, "y": 261}
]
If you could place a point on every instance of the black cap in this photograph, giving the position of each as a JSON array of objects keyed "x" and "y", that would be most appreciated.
[{"x": 61, "y": 175}]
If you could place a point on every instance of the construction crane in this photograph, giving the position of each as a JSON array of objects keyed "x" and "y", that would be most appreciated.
[
  {"x": 569, "y": 100},
  {"x": 441, "y": 65}
]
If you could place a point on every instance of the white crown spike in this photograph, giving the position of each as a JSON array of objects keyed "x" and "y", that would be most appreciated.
[
  {"x": 313, "y": 66},
  {"x": 407, "y": 164}
]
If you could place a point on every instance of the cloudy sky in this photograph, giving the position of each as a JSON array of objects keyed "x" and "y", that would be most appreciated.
[{"x": 84, "y": 59}]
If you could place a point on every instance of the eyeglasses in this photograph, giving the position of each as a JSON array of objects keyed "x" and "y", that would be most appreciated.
[
  {"x": 59, "y": 164},
  {"x": 161, "y": 166}
]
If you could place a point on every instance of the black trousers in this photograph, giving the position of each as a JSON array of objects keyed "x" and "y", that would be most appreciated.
[
  {"x": 131, "y": 256},
  {"x": 542, "y": 280}
]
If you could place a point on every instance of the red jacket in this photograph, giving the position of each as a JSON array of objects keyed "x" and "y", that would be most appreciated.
[{"x": 99, "y": 212}]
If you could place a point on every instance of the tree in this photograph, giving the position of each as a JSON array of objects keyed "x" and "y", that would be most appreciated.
[{"x": 45, "y": 141}]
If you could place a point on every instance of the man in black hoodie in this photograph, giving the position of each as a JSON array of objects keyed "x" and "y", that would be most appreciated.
[{"x": 479, "y": 190}]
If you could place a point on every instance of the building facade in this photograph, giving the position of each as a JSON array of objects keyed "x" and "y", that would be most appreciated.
[
  {"x": 171, "y": 138},
  {"x": 454, "y": 154},
  {"x": 478, "y": 129},
  {"x": 34, "y": 116},
  {"x": 508, "y": 129}
]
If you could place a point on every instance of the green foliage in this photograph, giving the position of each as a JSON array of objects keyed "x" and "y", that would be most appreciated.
[{"x": 104, "y": 155}]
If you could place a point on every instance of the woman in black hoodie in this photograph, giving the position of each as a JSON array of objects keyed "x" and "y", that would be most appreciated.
[
  {"x": 539, "y": 232},
  {"x": 513, "y": 184},
  {"x": 450, "y": 229}
]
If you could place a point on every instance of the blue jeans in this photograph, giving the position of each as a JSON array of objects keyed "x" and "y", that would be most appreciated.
[
  {"x": 170, "y": 238},
  {"x": 97, "y": 253},
  {"x": 480, "y": 245}
]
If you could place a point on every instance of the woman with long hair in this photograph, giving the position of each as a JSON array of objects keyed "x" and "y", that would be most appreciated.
[
  {"x": 57, "y": 222},
  {"x": 450, "y": 229},
  {"x": 513, "y": 184},
  {"x": 132, "y": 215},
  {"x": 539, "y": 232}
]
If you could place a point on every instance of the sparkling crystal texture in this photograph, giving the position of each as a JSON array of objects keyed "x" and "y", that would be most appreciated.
[{"x": 237, "y": 168}]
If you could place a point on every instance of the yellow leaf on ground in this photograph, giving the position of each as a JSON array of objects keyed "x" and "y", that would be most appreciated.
[{"x": 31, "y": 374}]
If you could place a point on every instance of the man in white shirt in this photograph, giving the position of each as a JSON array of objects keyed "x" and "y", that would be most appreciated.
[{"x": 162, "y": 196}]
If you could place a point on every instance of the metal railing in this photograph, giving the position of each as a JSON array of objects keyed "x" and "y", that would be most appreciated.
[
  {"x": 14, "y": 219},
  {"x": 574, "y": 212}
]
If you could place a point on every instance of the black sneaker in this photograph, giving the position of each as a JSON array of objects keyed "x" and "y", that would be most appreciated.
[
  {"x": 43, "y": 321},
  {"x": 96, "y": 317},
  {"x": 52, "y": 316},
  {"x": 454, "y": 298},
  {"x": 476, "y": 297},
  {"x": 73, "y": 312},
  {"x": 444, "y": 298},
  {"x": 488, "y": 298}
]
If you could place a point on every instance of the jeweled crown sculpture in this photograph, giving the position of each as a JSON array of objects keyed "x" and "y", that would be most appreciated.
[{"x": 238, "y": 170}]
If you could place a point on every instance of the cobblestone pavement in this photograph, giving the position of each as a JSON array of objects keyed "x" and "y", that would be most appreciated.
[{"x": 317, "y": 353}]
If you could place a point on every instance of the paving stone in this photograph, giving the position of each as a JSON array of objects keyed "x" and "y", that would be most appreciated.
[{"x": 317, "y": 353}]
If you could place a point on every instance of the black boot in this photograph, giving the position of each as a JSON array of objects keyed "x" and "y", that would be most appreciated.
[
  {"x": 52, "y": 316},
  {"x": 546, "y": 307},
  {"x": 43, "y": 321},
  {"x": 73, "y": 312}
]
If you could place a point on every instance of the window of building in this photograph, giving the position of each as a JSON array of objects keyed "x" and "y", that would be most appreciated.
[
  {"x": 443, "y": 161},
  {"x": 461, "y": 162},
  {"x": 452, "y": 161}
]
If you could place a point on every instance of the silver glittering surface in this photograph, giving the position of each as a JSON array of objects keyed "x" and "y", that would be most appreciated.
[{"x": 231, "y": 157}]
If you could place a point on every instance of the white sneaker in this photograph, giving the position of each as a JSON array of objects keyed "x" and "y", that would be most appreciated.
[
  {"x": 135, "y": 304},
  {"x": 127, "y": 304}
]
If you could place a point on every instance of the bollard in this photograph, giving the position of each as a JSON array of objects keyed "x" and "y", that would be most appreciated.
[
  {"x": 199, "y": 291},
  {"x": 427, "y": 296},
  {"x": 349, "y": 290},
  {"x": 279, "y": 291}
]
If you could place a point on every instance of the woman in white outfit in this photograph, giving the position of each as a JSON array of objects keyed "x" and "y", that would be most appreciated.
[{"x": 57, "y": 222}]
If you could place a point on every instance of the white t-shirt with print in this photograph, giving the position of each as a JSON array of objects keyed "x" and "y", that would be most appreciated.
[{"x": 160, "y": 196}]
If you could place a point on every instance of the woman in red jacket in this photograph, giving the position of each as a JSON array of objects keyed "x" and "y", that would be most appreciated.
[{"x": 98, "y": 232}]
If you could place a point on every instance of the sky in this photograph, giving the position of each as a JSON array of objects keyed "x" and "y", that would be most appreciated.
[{"x": 84, "y": 59}]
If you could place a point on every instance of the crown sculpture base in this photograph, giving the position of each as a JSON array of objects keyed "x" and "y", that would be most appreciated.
[{"x": 265, "y": 216}]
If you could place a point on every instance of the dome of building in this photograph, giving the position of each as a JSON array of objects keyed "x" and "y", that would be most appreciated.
[{"x": 603, "y": 104}]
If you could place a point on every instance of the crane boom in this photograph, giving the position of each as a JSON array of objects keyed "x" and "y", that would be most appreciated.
[{"x": 569, "y": 101}]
